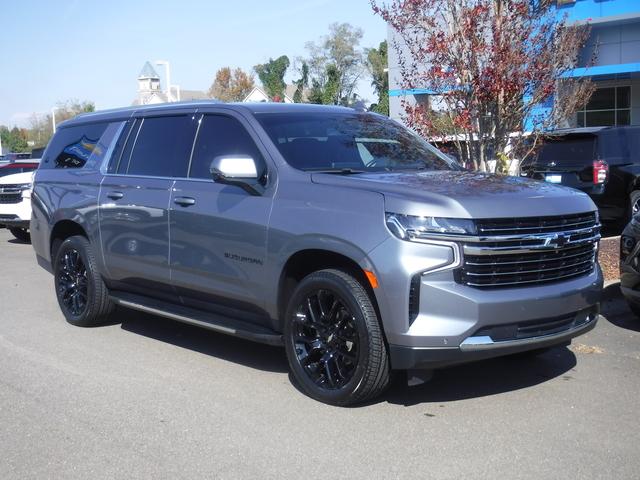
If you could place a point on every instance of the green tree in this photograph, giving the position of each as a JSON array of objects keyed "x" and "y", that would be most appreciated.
[
  {"x": 231, "y": 85},
  {"x": 271, "y": 74},
  {"x": 336, "y": 64},
  {"x": 71, "y": 108},
  {"x": 377, "y": 65},
  {"x": 302, "y": 83},
  {"x": 14, "y": 140},
  {"x": 41, "y": 130}
]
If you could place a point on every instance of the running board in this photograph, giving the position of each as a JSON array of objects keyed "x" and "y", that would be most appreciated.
[{"x": 210, "y": 321}]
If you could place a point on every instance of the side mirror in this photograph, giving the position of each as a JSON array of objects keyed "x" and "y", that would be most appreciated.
[{"x": 238, "y": 170}]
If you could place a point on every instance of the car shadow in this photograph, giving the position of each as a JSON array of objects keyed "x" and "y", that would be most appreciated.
[
  {"x": 18, "y": 242},
  {"x": 484, "y": 378},
  {"x": 214, "y": 344},
  {"x": 488, "y": 377},
  {"x": 616, "y": 310}
]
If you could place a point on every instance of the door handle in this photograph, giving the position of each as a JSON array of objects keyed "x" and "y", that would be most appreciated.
[
  {"x": 115, "y": 195},
  {"x": 184, "y": 201}
]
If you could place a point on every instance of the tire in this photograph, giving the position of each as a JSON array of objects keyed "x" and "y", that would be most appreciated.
[
  {"x": 333, "y": 339},
  {"x": 82, "y": 295},
  {"x": 635, "y": 309},
  {"x": 634, "y": 205},
  {"x": 21, "y": 234}
]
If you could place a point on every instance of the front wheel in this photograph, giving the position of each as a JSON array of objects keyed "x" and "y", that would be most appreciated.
[
  {"x": 21, "y": 234},
  {"x": 82, "y": 295},
  {"x": 634, "y": 204},
  {"x": 333, "y": 339}
]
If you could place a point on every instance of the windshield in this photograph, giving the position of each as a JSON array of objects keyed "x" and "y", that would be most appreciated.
[{"x": 358, "y": 142}]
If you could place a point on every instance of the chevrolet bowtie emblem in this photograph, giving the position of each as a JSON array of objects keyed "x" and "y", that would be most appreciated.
[{"x": 557, "y": 240}]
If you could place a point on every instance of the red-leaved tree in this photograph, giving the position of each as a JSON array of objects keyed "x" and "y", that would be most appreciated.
[{"x": 490, "y": 66}]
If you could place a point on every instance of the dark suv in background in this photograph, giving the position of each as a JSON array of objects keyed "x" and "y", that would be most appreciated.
[
  {"x": 337, "y": 233},
  {"x": 604, "y": 162}
]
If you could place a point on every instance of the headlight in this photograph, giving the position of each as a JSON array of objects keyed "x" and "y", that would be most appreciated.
[{"x": 409, "y": 227}]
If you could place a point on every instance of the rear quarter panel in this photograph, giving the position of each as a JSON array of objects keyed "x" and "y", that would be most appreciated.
[{"x": 64, "y": 194}]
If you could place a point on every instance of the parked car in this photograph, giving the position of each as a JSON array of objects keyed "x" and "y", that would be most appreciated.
[
  {"x": 15, "y": 203},
  {"x": 630, "y": 264},
  {"x": 601, "y": 161},
  {"x": 19, "y": 166},
  {"x": 336, "y": 233}
]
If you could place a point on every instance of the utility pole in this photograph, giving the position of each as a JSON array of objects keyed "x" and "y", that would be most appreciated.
[{"x": 53, "y": 119}]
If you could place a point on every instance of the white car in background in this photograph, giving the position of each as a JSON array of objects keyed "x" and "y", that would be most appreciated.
[{"x": 15, "y": 204}]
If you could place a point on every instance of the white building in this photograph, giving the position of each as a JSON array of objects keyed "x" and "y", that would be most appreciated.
[{"x": 150, "y": 91}]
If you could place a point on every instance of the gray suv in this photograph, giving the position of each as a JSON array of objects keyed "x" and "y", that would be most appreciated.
[{"x": 334, "y": 232}]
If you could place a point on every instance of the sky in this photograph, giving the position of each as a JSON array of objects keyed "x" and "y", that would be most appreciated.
[{"x": 52, "y": 51}]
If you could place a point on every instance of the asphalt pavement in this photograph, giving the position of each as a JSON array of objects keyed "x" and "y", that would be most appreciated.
[{"x": 145, "y": 397}]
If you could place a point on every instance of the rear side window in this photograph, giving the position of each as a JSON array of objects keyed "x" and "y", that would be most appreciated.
[
  {"x": 163, "y": 147},
  {"x": 73, "y": 147},
  {"x": 220, "y": 135}
]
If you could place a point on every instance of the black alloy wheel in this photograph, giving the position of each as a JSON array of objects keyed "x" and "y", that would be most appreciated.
[
  {"x": 326, "y": 339},
  {"x": 72, "y": 282},
  {"x": 334, "y": 340},
  {"x": 635, "y": 203},
  {"x": 82, "y": 294}
]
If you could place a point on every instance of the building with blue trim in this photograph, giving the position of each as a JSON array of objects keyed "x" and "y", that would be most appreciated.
[{"x": 615, "y": 37}]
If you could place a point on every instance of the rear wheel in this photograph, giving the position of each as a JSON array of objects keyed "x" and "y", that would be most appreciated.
[
  {"x": 82, "y": 295},
  {"x": 21, "y": 234},
  {"x": 333, "y": 340}
]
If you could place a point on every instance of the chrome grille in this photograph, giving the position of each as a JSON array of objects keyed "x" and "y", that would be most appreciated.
[
  {"x": 530, "y": 251},
  {"x": 10, "y": 194}
]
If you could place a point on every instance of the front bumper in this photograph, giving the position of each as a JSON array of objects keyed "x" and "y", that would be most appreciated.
[
  {"x": 480, "y": 347},
  {"x": 451, "y": 316},
  {"x": 16, "y": 215},
  {"x": 13, "y": 221}
]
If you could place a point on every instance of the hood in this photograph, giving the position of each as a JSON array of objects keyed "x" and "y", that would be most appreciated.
[
  {"x": 464, "y": 194},
  {"x": 17, "y": 178}
]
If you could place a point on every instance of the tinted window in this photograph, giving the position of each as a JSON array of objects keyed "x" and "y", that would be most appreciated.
[
  {"x": 163, "y": 147},
  {"x": 613, "y": 145},
  {"x": 121, "y": 164},
  {"x": 73, "y": 146},
  {"x": 568, "y": 151},
  {"x": 220, "y": 135},
  {"x": 361, "y": 141}
]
